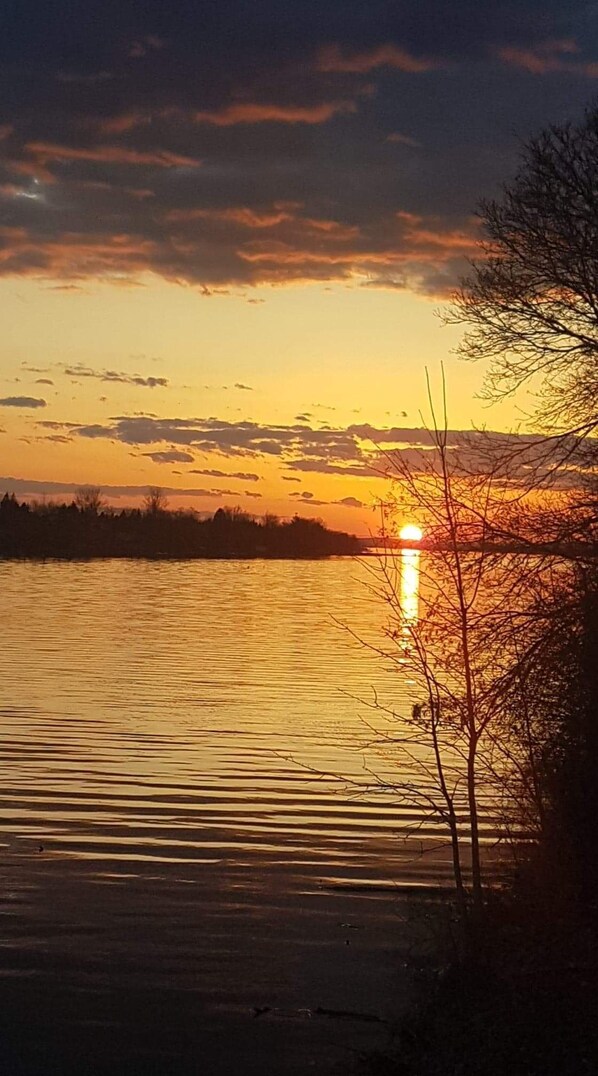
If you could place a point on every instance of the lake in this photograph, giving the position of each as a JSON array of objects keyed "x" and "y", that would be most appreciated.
[{"x": 192, "y": 864}]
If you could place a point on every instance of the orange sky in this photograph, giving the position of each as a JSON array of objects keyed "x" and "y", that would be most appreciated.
[
  {"x": 318, "y": 358},
  {"x": 224, "y": 234}
]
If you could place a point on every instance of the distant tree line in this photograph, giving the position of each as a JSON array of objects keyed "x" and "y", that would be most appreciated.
[{"x": 88, "y": 528}]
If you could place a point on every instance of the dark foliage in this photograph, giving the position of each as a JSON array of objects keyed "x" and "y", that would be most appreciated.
[
  {"x": 569, "y": 758},
  {"x": 79, "y": 532}
]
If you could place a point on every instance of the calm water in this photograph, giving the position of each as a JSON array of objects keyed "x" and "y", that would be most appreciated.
[{"x": 171, "y": 855}]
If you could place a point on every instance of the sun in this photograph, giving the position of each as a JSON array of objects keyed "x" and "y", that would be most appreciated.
[{"x": 411, "y": 533}]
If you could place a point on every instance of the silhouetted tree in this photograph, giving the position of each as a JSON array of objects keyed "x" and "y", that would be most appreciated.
[
  {"x": 531, "y": 300},
  {"x": 83, "y": 529},
  {"x": 478, "y": 619},
  {"x": 155, "y": 501},
  {"x": 89, "y": 499}
]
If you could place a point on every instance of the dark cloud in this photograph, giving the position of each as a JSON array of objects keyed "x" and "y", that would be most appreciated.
[
  {"x": 322, "y": 466},
  {"x": 228, "y": 438},
  {"x": 344, "y": 502},
  {"x": 51, "y": 424},
  {"x": 36, "y": 487},
  {"x": 351, "y": 502},
  {"x": 43, "y": 381},
  {"x": 170, "y": 456},
  {"x": 355, "y": 451},
  {"x": 22, "y": 401},
  {"x": 245, "y": 476},
  {"x": 78, "y": 370},
  {"x": 318, "y": 142}
]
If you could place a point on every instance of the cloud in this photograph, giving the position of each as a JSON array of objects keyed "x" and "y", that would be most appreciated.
[
  {"x": 43, "y": 381},
  {"x": 113, "y": 375},
  {"x": 359, "y": 450},
  {"x": 402, "y": 139},
  {"x": 48, "y": 152},
  {"x": 41, "y": 487},
  {"x": 288, "y": 160},
  {"x": 549, "y": 57},
  {"x": 246, "y": 112},
  {"x": 308, "y": 498},
  {"x": 22, "y": 401},
  {"x": 350, "y": 502},
  {"x": 245, "y": 476},
  {"x": 239, "y": 385},
  {"x": 344, "y": 502},
  {"x": 228, "y": 438},
  {"x": 333, "y": 58},
  {"x": 171, "y": 456},
  {"x": 322, "y": 466},
  {"x": 148, "y": 43}
]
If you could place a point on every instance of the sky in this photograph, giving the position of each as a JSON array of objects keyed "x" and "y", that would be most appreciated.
[{"x": 226, "y": 231}]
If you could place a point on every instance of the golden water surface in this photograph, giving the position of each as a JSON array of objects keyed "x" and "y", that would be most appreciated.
[{"x": 186, "y": 831}]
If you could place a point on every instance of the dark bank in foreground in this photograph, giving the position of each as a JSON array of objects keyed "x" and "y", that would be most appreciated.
[{"x": 87, "y": 529}]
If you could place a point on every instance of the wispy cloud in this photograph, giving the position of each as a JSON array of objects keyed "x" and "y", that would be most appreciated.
[
  {"x": 334, "y": 58},
  {"x": 247, "y": 112},
  {"x": 245, "y": 476},
  {"x": 550, "y": 57},
  {"x": 150, "y": 382},
  {"x": 170, "y": 456},
  {"x": 40, "y": 487},
  {"x": 22, "y": 401},
  {"x": 46, "y": 152}
]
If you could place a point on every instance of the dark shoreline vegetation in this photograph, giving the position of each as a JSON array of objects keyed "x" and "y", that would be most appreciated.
[
  {"x": 512, "y": 986},
  {"x": 86, "y": 529}
]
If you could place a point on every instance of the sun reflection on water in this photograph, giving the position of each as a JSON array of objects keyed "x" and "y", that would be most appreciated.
[{"x": 410, "y": 586}]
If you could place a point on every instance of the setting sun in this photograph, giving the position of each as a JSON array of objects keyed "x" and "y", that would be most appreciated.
[{"x": 410, "y": 533}]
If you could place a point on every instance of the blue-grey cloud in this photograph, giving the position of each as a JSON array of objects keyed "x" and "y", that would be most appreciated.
[
  {"x": 31, "y": 487},
  {"x": 170, "y": 456},
  {"x": 245, "y": 476},
  {"x": 355, "y": 451},
  {"x": 344, "y": 502},
  {"x": 22, "y": 401}
]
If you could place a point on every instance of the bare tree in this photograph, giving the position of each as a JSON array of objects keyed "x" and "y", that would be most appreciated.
[
  {"x": 477, "y": 624},
  {"x": 531, "y": 300},
  {"x": 89, "y": 499},
  {"x": 155, "y": 501}
]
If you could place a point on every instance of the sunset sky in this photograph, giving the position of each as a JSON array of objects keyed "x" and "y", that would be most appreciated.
[{"x": 225, "y": 229}]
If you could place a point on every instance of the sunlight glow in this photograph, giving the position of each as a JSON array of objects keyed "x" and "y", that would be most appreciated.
[{"x": 411, "y": 533}]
